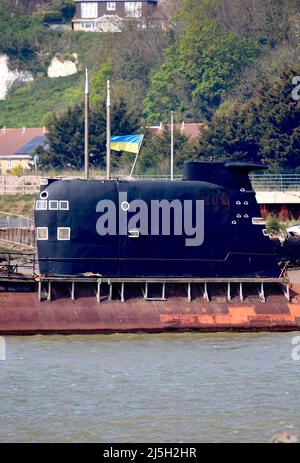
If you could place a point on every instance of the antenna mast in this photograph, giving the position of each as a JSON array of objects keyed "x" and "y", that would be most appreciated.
[
  {"x": 172, "y": 145},
  {"x": 108, "y": 135},
  {"x": 86, "y": 127}
]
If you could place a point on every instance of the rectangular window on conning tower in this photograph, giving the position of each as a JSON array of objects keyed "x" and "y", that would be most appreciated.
[
  {"x": 63, "y": 233},
  {"x": 42, "y": 233},
  {"x": 53, "y": 205},
  {"x": 64, "y": 205},
  {"x": 41, "y": 205}
]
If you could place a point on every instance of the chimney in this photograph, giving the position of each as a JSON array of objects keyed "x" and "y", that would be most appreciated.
[
  {"x": 44, "y": 129},
  {"x": 160, "y": 126},
  {"x": 4, "y": 130},
  {"x": 182, "y": 125},
  {"x": 24, "y": 130}
]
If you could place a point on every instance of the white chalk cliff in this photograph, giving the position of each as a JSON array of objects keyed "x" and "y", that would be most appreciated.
[
  {"x": 11, "y": 79},
  {"x": 60, "y": 68}
]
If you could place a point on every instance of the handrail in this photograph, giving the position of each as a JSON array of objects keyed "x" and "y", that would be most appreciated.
[
  {"x": 276, "y": 182},
  {"x": 12, "y": 262}
]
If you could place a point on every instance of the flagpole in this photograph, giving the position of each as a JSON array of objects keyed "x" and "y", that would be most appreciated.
[
  {"x": 172, "y": 145},
  {"x": 136, "y": 157},
  {"x": 86, "y": 127},
  {"x": 108, "y": 136}
]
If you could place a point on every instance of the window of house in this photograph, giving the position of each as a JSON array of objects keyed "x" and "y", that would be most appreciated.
[
  {"x": 64, "y": 205},
  {"x": 133, "y": 9},
  {"x": 53, "y": 205},
  {"x": 111, "y": 6},
  {"x": 42, "y": 233},
  {"x": 89, "y": 10},
  {"x": 41, "y": 205},
  {"x": 63, "y": 234},
  {"x": 88, "y": 26}
]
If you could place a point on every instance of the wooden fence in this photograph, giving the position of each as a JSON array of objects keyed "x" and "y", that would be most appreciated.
[{"x": 20, "y": 236}]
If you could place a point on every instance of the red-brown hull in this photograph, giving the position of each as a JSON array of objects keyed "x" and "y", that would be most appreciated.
[{"x": 22, "y": 313}]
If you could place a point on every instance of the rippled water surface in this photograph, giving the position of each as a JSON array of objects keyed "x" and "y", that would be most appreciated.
[{"x": 153, "y": 388}]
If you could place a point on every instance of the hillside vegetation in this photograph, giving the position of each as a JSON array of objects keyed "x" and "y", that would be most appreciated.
[
  {"x": 227, "y": 62},
  {"x": 18, "y": 204}
]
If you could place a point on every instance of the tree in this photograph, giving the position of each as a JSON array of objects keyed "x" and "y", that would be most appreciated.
[
  {"x": 202, "y": 63},
  {"x": 266, "y": 128},
  {"x": 19, "y": 34},
  {"x": 66, "y": 135},
  {"x": 155, "y": 154},
  {"x": 268, "y": 20}
]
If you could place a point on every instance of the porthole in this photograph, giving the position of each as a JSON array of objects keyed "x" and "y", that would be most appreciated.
[
  {"x": 125, "y": 206},
  {"x": 246, "y": 203},
  {"x": 239, "y": 216},
  {"x": 238, "y": 203},
  {"x": 44, "y": 194},
  {"x": 233, "y": 222},
  {"x": 246, "y": 216},
  {"x": 242, "y": 190}
]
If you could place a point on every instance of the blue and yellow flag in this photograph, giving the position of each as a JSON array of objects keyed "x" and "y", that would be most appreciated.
[{"x": 129, "y": 143}]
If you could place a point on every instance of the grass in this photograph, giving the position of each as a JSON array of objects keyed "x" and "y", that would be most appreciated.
[
  {"x": 276, "y": 227},
  {"x": 29, "y": 106},
  {"x": 18, "y": 204}
]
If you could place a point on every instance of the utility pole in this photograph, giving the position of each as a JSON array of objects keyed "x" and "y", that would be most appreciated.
[
  {"x": 86, "y": 126},
  {"x": 172, "y": 145},
  {"x": 108, "y": 132}
]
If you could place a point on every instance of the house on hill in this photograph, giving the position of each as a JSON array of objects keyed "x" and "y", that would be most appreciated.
[
  {"x": 104, "y": 16},
  {"x": 18, "y": 146}
]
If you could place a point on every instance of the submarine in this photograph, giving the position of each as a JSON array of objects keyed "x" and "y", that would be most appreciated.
[
  {"x": 143, "y": 256},
  {"x": 205, "y": 225}
]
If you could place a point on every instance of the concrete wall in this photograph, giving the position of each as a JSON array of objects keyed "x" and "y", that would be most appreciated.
[{"x": 13, "y": 185}]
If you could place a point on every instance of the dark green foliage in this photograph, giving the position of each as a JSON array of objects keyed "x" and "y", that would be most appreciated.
[
  {"x": 67, "y": 10},
  {"x": 52, "y": 17},
  {"x": 66, "y": 135},
  {"x": 202, "y": 64},
  {"x": 273, "y": 225},
  {"x": 212, "y": 64},
  {"x": 20, "y": 35},
  {"x": 266, "y": 128},
  {"x": 155, "y": 154}
]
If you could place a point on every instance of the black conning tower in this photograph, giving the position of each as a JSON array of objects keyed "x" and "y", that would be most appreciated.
[{"x": 230, "y": 175}]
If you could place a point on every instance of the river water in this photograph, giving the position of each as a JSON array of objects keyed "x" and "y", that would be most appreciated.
[{"x": 149, "y": 388}]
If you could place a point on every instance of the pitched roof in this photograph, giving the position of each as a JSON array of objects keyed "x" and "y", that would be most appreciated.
[
  {"x": 32, "y": 145},
  {"x": 12, "y": 140},
  {"x": 191, "y": 130}
]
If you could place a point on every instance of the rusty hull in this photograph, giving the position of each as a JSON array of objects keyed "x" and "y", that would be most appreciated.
[{"x": 22, "y": 314}]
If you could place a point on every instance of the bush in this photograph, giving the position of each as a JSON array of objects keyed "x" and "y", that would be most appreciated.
[
  {"x": 18, "y": 170},
  {"x": 273, "y": 225},
  {"x": 52, "y": 17}
]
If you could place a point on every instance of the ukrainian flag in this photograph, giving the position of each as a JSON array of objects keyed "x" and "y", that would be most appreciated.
[{"x": 128, "y": 143}]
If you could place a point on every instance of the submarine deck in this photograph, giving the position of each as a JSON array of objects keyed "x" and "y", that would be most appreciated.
[{"x": 68, "y": 305}]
